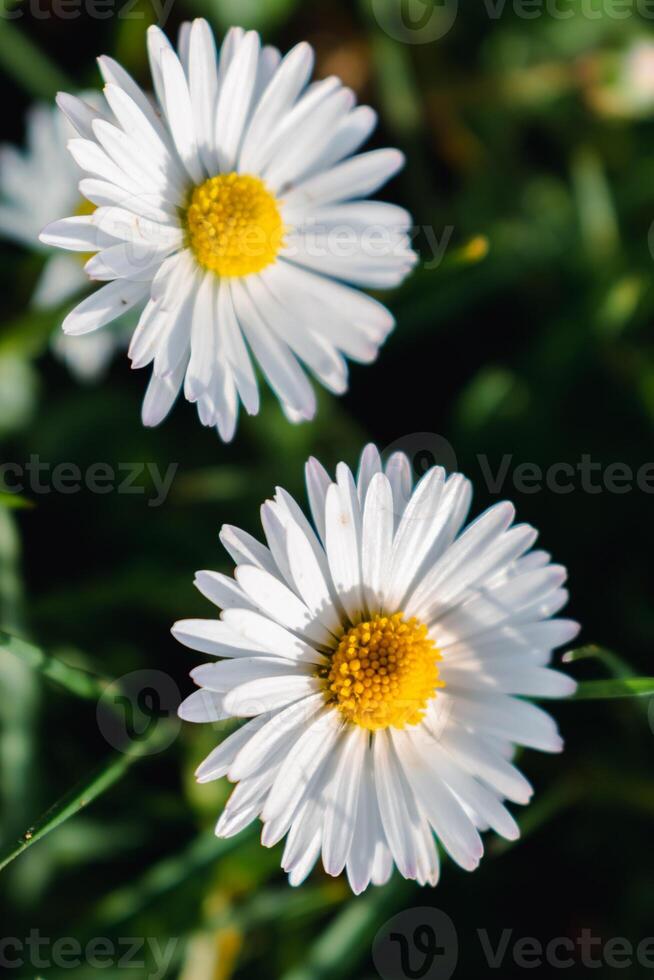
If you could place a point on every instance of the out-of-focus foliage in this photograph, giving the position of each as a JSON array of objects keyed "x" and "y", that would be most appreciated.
[{"x": 526, "y": 335}]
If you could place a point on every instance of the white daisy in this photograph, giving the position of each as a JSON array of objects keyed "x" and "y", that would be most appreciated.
[
  {"x": 37, "y": 187},
  {"x": 378, "y": 654},
  {"x": 232, "y": 211}
]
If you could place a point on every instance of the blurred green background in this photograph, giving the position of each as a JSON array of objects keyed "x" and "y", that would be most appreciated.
[{"x": 530, "y": 145}]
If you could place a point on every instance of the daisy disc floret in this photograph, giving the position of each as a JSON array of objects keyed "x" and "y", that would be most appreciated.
[
  {"x": 381, "y": 654},
  {"x": 233, "y": 214}
]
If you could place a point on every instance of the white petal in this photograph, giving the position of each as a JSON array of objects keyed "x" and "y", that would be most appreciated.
[
  {"x": 369, "y": 843},
  {"x": 478, "y": 757},
  {"x": 203, "y": 706},
  {"x": 501, "y": 604},
  {"x": 104, "y": 305},
  {"x": 217, "y": 763},
  {"x": 295, "y": 772},
  {"x": 341, "y": 800},
  {"x": 310, "y": 581},
  {"x": 504, "y": 716},
  {"x": 234, "y": 101},
  {"x": 275, "y": 599},
  {"x": 161, "y": 396},
  {"x": 226, "y": 675},
  {"x": 215, "y": 637},
  {"x": 357, "y": 177},
  {"x": 454, "y": 828},
  {"x": 95, "y": 161},
  {"x": 399, "y": 814},
  {"x": 466, "y": 561},
  {"x": 471, "y": 793},
  {"x": 342, "y": 542},
  {"x": 317, "y": 352},
  {"x": 270, "y": 693},
  {"x": 398, "y": 471},
  {"x": 77, "y": 234},
  {"x": 157, "y": 43},
  {"x": 269, "y": 636},
  {"x": 179, "y": 113},
  {"x": 139, "y": 127},
  {"x": 350, "y": 265},
  {"x": 346, "y": 138},
  {"x": 113, "y": 73},
  {"x": 377, "y": 541},
  {"x": 369, "y": 464},
  {"x": 203, "y": 82},
  {"x": 282, "y": 371},
  {"x": 79, "y": 113},
  {"x": 150, "y": 205},
  {"x": 282, "y": 729},
  {"x": 305, "y": 133},
  {"x": 318, "y": 482},
  {"x": 223, "y": 591},
  {"x": 419, "y": 526},
  {"x": 282, "y": 91},
  {"x": 246, "y": 550}
]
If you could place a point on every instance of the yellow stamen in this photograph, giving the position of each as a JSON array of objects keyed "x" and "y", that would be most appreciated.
[
  {"x": 233, "y": 225},
  {"x": 383, "y": 673}
]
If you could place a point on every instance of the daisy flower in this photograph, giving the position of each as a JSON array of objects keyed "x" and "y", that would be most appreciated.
[
  {"x": 37, "y": 187},
  {"x": 235, "y": 211},
  {"x": 381, "y": 655}
]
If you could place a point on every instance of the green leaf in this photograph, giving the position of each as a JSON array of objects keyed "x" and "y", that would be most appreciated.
[
  {"x": 73, "y": 679},
  {"x": 626, "y": 687},
  {"x": 25, "y": 62},
  {"x": 84, "y": 793},
  {"x": 615, "y": 665}
]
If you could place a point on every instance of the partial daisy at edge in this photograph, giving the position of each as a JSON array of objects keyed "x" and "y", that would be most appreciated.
[
  {"x": 233, "y": 213},
  {"x": 39, "y": 185},
  {"x": 380, "y": 654}
]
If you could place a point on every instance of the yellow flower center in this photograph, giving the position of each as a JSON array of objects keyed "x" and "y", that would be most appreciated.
[
  {"x": 384, "y": 672},
  {"x": 233, "y": 225}
]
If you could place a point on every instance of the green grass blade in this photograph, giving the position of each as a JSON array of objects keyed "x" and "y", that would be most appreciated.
[
  {"x": 73, "y": 679},
  {"x": 84, "y": 793},
  {"x": 615, "y": 665},
  {"x": 626, "y": 687}
]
